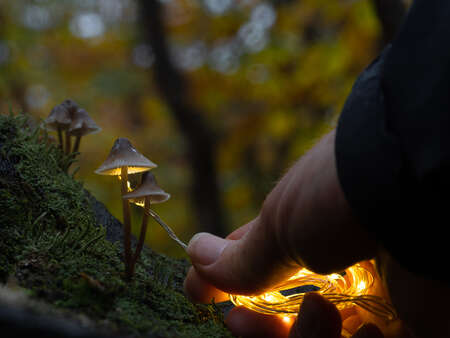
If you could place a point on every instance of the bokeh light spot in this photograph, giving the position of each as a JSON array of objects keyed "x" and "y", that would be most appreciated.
[
  {"x": 190, "y": 57},
  {"x": 253, "y": 36},
  {"x": 264, "y": 14},
  {"x": 111, "y": 10},
  {"x": 36, "y": 17},
  {"x": 218, "y": 7},
  {"x": 87, "y": 25},
  {"x": 36, "y": 96},
  {"x": 224, "y": 58}
]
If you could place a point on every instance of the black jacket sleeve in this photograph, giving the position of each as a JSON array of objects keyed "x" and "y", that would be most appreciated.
[{"x": 393, "y": 142}]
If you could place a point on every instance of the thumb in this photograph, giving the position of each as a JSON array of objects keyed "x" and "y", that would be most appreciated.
[{"x": 248, "y": 265}]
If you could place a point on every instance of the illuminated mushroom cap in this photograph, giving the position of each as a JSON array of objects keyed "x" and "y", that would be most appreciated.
[
  {"x": 149, "y": 187},
  {"x": 82, "y": 124},
  {"x": 123, "y": 154},
  {"x": 59, "y": 118}
]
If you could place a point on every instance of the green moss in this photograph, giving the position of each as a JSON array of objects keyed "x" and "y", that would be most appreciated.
[{"x": 50, "y": 243}]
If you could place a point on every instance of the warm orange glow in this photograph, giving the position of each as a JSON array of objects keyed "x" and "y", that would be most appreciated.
[
  {"x": 353, "y": 289},
  {"x": 288, "y": 320},
  {"x": 361, "y": 286}
]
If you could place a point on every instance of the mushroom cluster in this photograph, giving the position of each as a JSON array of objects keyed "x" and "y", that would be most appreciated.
[
  {"x": 123, "y": 160},
  {"x": 74, "y": 121}
]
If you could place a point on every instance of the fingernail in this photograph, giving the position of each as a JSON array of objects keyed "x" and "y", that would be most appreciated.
[
  {"x": 205, "y": 249},
  {"x": 368, "y": 331}
]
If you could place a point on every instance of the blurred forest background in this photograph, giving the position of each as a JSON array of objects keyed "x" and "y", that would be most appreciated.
[{"x": 224, "y": 95}]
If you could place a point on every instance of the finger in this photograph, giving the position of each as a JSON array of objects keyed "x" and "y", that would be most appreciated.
[
  {"x": 368, "y": 331},
  {"x": 249, "y": 265},
  {"x": 246, "y": 323},
  {"x": 347, "y": 312},
  {"x": 239, "y": 232},
  {"x": 199, "y": 291},
  {"x": 352, "y": 323},
  {"x": 318, "y": 318}
]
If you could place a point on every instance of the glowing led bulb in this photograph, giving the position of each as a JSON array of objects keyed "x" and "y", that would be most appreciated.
[
  {"x": 361, "y": 286},
  {"x": 287, "y": 320},
  {"x": 269, "y": 297},
  {"x": 334, "y": 276}
]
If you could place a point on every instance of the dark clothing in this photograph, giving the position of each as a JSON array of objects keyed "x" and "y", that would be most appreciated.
[{"x": 393, "y": 142}]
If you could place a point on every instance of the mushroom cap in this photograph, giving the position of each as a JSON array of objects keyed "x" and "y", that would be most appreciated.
[
  {"x": 59, "y": 118},
  {"x": 123, "y": 154},
  {"x": 149, "y": 187},
  {"x": 70, "y": 105},
  {"x": 82, "y": 124}
]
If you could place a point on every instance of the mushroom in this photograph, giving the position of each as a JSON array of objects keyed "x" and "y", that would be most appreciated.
[
  {"x": 147, "y": 193},
  {"x": 82, "y": 125},
  {"x": 59, "y": 120},
  {"x": 71, "y": 107},
  {"x": 122, "y": 160}
]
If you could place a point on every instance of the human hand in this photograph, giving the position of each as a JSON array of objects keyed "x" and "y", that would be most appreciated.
[
  {"x": 302, "y": 221},
  {"x": 306, "y": 222}
]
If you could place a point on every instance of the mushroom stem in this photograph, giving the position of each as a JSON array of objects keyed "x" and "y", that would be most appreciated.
[
  {"x": 77, "y": 144},
  {"x": 126, "y": 223},
  {"x": 68, "y": 143},
  {"x": 60, "y": 138},
  {"x": 143, "y": 231}
]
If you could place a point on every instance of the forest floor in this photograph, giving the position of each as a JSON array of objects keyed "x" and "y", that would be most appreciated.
[{"x": 60, "y": 251}]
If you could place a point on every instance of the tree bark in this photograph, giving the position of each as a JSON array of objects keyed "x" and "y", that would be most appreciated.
[{"x": 201, "y": 143}]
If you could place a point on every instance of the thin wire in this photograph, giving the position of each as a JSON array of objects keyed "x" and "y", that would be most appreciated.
[
  {"x": 342, "y": 290},
  {"x": 166, "y": 227},
  {"x": 158, "y": 219}
]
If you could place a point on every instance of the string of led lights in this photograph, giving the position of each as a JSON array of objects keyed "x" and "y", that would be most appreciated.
[{"x": 343, "y": 290}]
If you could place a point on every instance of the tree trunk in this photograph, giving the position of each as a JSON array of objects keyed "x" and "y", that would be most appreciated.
[{"x": 200, "y": 141}]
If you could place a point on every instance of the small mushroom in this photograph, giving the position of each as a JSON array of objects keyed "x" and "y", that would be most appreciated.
[
  {"x": 157, "y": 195},
  {"x": 71, "y": 107},
  {"x": 147, "y": 190},
  {"x": 82, "y": 124},
  {"x": 122, "y": 160},
  {"x": 146, "y": 194},
  {"x": 59, "y": 120}
]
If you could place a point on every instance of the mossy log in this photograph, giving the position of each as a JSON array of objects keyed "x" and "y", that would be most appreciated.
[{"x": 61, "y": 268}]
